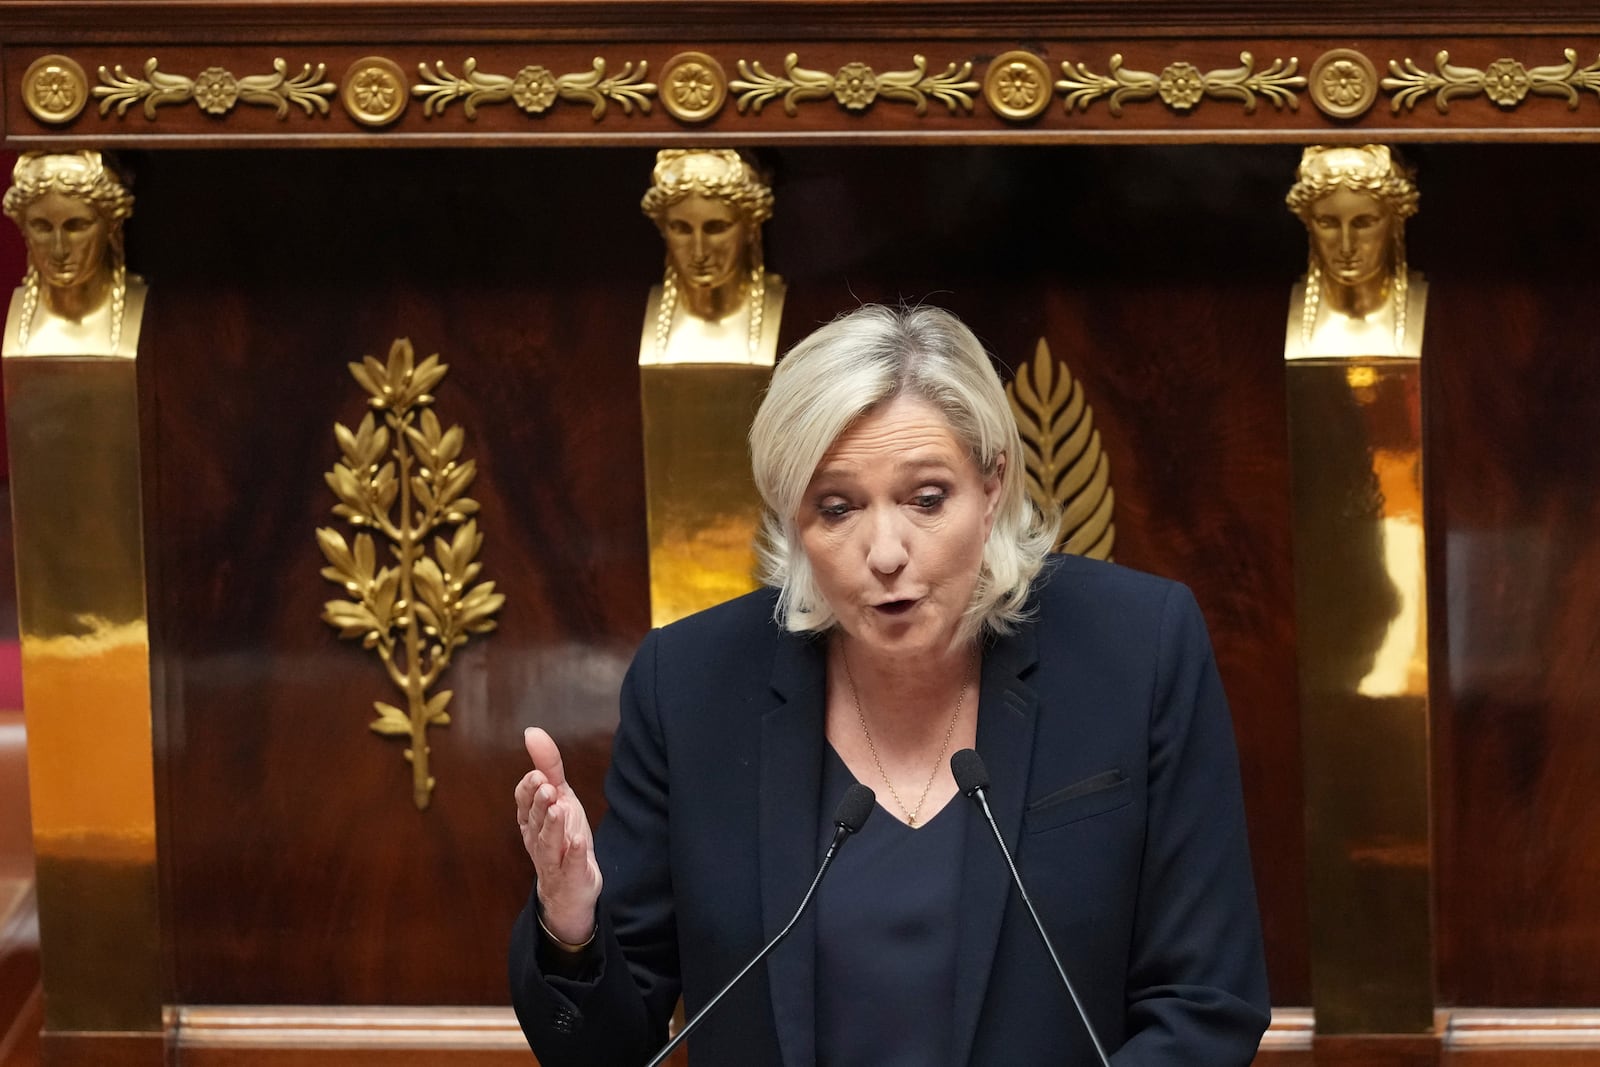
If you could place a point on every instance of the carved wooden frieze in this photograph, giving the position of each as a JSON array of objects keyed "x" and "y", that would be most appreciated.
[{"x": 946, "y": 89}]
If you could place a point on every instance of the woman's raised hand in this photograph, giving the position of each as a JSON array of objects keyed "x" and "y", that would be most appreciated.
[{"x": 556, "y": 833}]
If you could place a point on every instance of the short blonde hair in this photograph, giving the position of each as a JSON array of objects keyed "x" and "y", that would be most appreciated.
[{"x": 841, "y": 372}]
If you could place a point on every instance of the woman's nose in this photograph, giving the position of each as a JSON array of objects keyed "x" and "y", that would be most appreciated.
[{"x": 887, "y": 550}]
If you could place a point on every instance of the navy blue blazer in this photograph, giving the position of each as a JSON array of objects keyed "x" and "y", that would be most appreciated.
[{"x": 1115, "y": 782}]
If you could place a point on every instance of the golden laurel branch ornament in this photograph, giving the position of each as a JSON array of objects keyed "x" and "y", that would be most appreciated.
[
  {"x": 1062, "y": 455},
  {"x": 416, "y": 613}
]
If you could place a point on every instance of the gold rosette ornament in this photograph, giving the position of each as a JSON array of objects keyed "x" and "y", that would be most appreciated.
[{"x": 416, "y": 613}]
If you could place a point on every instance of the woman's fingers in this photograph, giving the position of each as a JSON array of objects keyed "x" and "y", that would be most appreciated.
[
  {"x": 524, "y": 795},
  {"x": 545, "y": 755},
  {"x": 557, "y": 836}
]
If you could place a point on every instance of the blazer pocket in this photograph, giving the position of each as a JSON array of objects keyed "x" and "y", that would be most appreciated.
[{"x": 1094, "y": 795}]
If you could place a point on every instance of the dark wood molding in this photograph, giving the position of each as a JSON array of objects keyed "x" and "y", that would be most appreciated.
[
  {"x": 1484, "y": 1036},
  {"x": 102, "y": 1049},
  {"x": 314, "y": 1036},
  {"x": 72, "y": 20}
]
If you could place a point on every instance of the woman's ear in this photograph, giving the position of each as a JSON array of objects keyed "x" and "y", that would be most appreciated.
[{"x": 991, "y": 491}]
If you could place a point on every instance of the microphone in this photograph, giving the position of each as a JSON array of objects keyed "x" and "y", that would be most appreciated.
[
  {"x": 848, "y": 817},
  {"x": 972, "y": 778}
]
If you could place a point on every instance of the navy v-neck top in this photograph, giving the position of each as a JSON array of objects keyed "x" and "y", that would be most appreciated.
[{"x": 886, "y": 935}]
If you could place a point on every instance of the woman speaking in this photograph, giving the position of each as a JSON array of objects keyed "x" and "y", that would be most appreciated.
[{"x": 911, "y": 611}]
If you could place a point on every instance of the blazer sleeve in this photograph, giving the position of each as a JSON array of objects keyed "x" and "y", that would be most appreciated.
[
  {"x": 616, "y": 1013},
  {"x": 1197, "y": 985}
]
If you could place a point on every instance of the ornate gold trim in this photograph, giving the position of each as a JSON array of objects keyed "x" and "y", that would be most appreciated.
[
  {"x": 534, "y": 89},
  {"x": 374, "y": 91},
  {"x": 417, "y": 613},
  {"x": 1505, "y": 81},
  {"x": 214, "y": 89},
  {"x": 855, "y": 87},
  {"x": 55, "y": 89},
  {"x": 1061, "y": 452},
  {"x": 1343, "y": 83},
  {"x": 1181, "y": 85},
  {"x": 693, "y": 87},
  {"x": 1017, "y": 86}
]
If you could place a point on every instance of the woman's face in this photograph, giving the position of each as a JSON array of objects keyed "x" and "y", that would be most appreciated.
[
  {"x": 66, "y": 240},
  {"x": 706, "y": 240},
  {"x": 894, "y": 522},
  {"x": 1351, "y": 232}
]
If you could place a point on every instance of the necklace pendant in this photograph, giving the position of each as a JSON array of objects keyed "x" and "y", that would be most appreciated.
[{"x": 912, "y": 822}]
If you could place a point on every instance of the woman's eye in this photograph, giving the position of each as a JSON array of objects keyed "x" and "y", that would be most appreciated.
[
  {"x": 928, "y": 501},
  {"x": 835, "y": 510}
]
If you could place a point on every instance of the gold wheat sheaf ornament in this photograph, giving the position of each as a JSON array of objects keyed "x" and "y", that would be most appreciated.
[
  {"x": 416, "y": 613},
  {"x": 1061, "y": 451}
]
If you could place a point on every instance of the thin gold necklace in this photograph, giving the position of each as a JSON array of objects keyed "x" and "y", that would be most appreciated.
[{"x": 938, "y": 761}]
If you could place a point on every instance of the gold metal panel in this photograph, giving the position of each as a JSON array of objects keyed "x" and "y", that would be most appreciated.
[
  {"x": 72, "y": 425},
  {"x": 703, "y": 506},
  {"x": 1361, "y": 617}
]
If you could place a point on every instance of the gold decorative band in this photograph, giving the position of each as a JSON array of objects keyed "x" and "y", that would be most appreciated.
[{"x": 1016, "y": 85}]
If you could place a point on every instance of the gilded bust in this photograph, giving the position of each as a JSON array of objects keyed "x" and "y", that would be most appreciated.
[
  {"x": 1358, "y": 297},
  {"x": 716, "y": 302},
  {"x": 77, "y": 298}
]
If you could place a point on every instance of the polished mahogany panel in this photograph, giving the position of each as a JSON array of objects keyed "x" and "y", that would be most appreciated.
[
  {"x": 1513, "y": 388},
  {"x": 300, "y": 872}
]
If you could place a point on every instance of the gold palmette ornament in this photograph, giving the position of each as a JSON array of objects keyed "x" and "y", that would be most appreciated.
[
  {"x": 1061, "y": 452},
  {"x": 416, "y": 613}
]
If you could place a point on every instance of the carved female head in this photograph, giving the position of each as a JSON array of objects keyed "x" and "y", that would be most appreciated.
[
  {"x": 709, "y": 205},
  {"x": 1354, "y": 202},
  {"x": 70, "y": 208}
]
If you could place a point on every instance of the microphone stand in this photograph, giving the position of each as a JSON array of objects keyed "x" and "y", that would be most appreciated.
[
  {"x": 852, "y": 812},
  {"x": 974, "y": 780}
]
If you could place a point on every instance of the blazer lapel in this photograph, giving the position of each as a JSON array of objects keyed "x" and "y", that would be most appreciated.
[
  {"x": 1007, "y": 713},
  {"x": 792, "y": 736}
]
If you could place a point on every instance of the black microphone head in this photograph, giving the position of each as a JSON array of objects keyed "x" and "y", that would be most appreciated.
[
  {"x": 971, "y": 774},
  {"x": 854, "y": 807}
]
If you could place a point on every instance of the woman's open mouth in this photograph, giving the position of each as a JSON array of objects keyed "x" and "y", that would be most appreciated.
[{"x": 895, "y": 607}]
